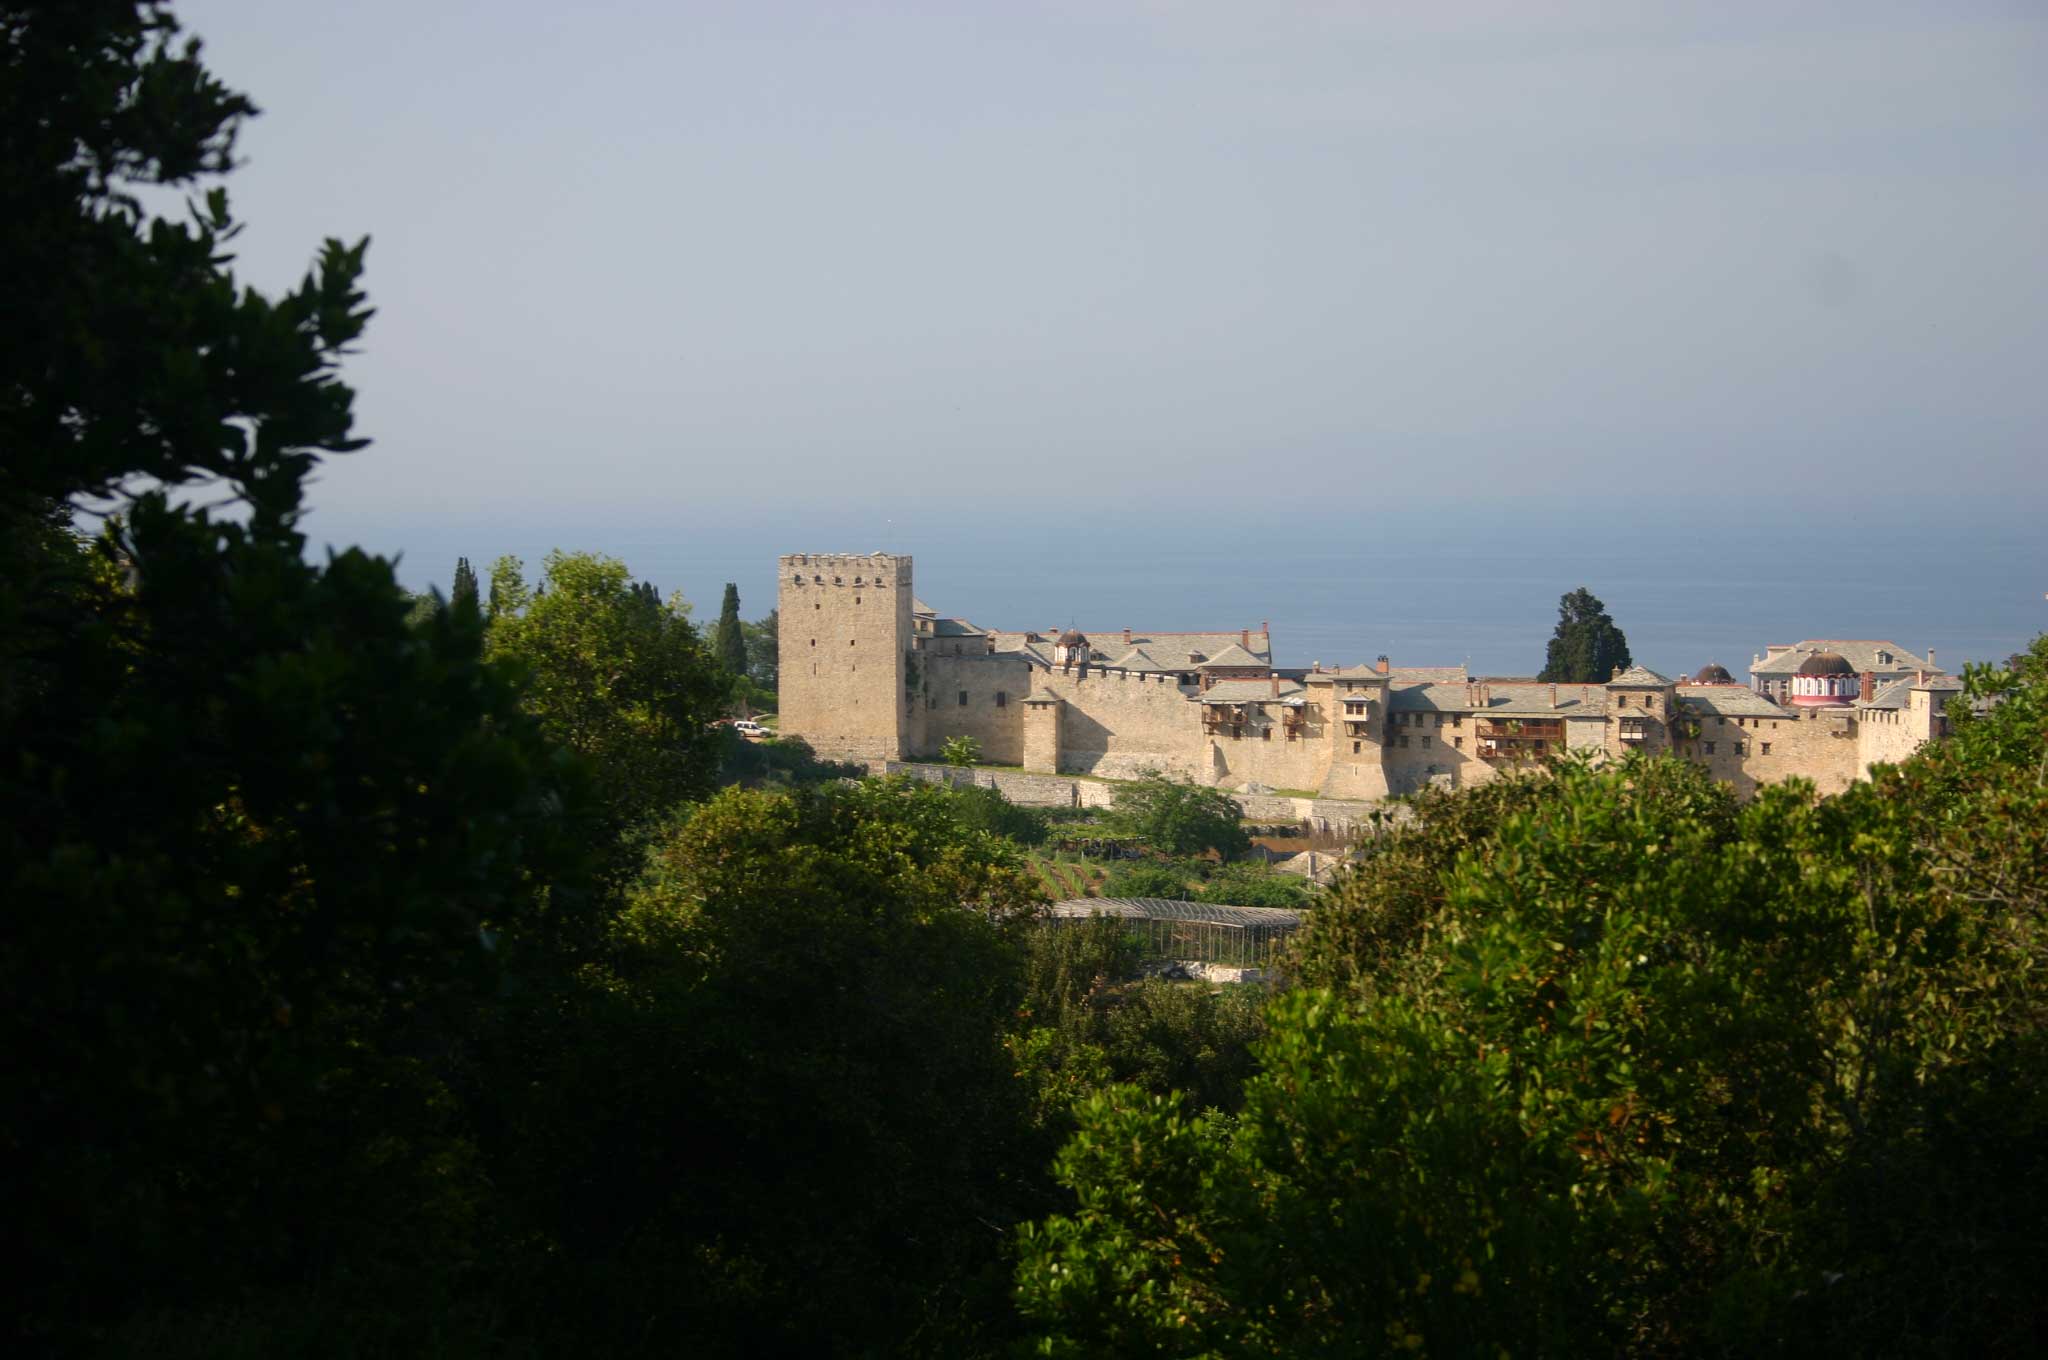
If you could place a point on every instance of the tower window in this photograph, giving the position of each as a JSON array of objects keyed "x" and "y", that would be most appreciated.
[
  {"x": 963, "y": 698},
  {"x": 1002, "y": 699}
]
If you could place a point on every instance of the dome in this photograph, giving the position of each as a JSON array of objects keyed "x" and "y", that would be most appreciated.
[
  {"x": 1070, "y": 638},
  {"x": 1826, "y": 663},
  {"x": 1713, "y": 673}
]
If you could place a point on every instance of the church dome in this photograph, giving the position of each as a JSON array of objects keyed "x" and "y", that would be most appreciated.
[
  {"x": 1071, "y": 638},
  {"x": 1826, "y": 663},
  {"x": 1713, "y": 673}
]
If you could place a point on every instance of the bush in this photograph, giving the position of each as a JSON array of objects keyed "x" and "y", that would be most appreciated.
[
  {"x": 986, "y": 809},
  {"x": 1251, "y": 884},
  {"x": 1147, "y": 880}
]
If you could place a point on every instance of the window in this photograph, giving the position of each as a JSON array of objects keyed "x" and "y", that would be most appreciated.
[
  {"x": 1425, "y": 743},
  {"x": 1002, "y": 699},
  {"x": 856, "y": 599},
  {"x": 1404, "y": 742},
  {"x": 1354, "y": 748},
  {"x": 814, "y": 642},
  {"x": 1767, "y": 748},
  {"x": 1720, "y": 720},
  {"x": 1457, "y": 720},
  {"x": 850, "y": 641},
  {"x": 1458, "y": 742},
  {"x": 1439, "y": 720},
  {"x": 1265, "y": 734},
  {"x": 963, "y": 698},
  {"x": 1742, "y": 748},
  {"x": 1710, "y": 748}
]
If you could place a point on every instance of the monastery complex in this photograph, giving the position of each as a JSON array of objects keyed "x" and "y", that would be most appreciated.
[{"x": 869, "y": 672}]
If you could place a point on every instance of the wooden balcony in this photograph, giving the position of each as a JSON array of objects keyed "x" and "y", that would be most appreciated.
[
  {"x": 1635, "y": 730},
  {"x": 1517, "y": 730}
]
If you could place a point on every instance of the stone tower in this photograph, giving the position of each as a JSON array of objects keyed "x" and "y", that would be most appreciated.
[{"x": 845, "y": 639}]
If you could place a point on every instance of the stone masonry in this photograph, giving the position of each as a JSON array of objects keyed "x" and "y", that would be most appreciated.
[{"x": 870, "y": 673}]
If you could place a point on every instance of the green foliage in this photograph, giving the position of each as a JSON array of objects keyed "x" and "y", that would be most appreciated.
[
  {"x": 986, "y": 809},
  {"x": 1250, "y": 883},
  {"x": 1587, "y": 648},
  {"x": 259, "y": 829},
  {"x": 728, "y": 643},
  {"x": 1177, "y": 817},
  {"x": 764, "y": 647},
  {"x": 776, "y": 761},
  {"x": 1596, "y": 1061},
  {"x": 620, "y": 681},
  {"x": 463, "y": 595},
  {"x": 1088, "y": 1022},
  {"x": 1148, "y": 878},
  {"x": 779, "y": 1117},
  {"x": 960, "y": 752}
]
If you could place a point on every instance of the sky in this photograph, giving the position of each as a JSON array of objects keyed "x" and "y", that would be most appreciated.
[{"x": 673, "y": 266}]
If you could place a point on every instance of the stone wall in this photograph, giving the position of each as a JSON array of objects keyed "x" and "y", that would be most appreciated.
[
  {"x": 1890, "y": 735},
  {"x": 1038, "y": 790},
  {"x": 844, "y": 635},
  {"x": 979, "y": 696},
  {"x": 1116, "y": 723}
]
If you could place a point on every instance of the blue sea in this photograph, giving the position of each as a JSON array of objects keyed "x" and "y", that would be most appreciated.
[{"x": 1689, "y": 579}]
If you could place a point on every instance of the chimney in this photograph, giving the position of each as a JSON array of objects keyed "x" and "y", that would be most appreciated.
[
  {"x": 1127, "y": 637},
  {"x": 1317, "y": 667},
  {"x": 1276, "y": 686},
  {"x": 1869, "y": 690},
  {"x": 1553, "y": 694},
  {"x": 1930, "y": 656},
  {"x": 1244, "y": 638},
  {"x": 1382, "y": 665}
]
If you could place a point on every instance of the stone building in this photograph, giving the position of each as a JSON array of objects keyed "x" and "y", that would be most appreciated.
[
  {"x": 1774, "y": 674},
  {"x": 870, "y": 672}
]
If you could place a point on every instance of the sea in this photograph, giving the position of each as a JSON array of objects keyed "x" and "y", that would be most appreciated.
[{"x": 1689, "y": 579}]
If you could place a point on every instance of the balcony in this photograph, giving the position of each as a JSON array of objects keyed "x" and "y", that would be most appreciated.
[
  {"x": 1521, "y": 729},
  {"x": 1635, "y": 730}
]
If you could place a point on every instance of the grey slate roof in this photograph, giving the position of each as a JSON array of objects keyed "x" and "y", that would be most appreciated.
[
  {"x": 1166, "y": 909},
  {"x": 1641, "y": 677},
  {"x": 1896, "y": 693},
  {"x": 1506, "y": 699},
  {"x": 1233, "y": 655},
  {"x": 1861, "y": 654},
  {"x": 954, "y": 628},
  {"x": 1728, "y": 701},
  {"x": 1254, "y": 692},
  {"x": 1141, "y": 659},
  {"x": 1170, "y": 648},
  {"x": 1429, "y": 675}
]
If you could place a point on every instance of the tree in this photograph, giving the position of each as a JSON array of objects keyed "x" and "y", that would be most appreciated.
[
  {"x": 625, "y": 684},
  {"x": 1631, "y": 1068},
  {"x": 778, "y": 1116},
  {"x": 729, "y": 645},
  {"x": 764, "y": 649},
  {"x": 1587, "y": 648},
  {"x": 464, "y": 593},
  {"x": 1177, "y": 817},
  {"x": 960, "y": 752},
  {"x": 255, "y": 829}
]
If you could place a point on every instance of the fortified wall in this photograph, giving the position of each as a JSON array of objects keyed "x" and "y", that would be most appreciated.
[{"x": 867, "y": 673}]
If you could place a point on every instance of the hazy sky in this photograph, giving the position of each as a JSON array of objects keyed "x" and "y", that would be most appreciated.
[{"x": 1136, "y": 252}]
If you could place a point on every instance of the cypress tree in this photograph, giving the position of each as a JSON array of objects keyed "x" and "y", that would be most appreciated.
[
  {"x": 729, "y": 643},
  {"x": 464, "y": 590},
  {"x": 1588, "y": 647}
]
